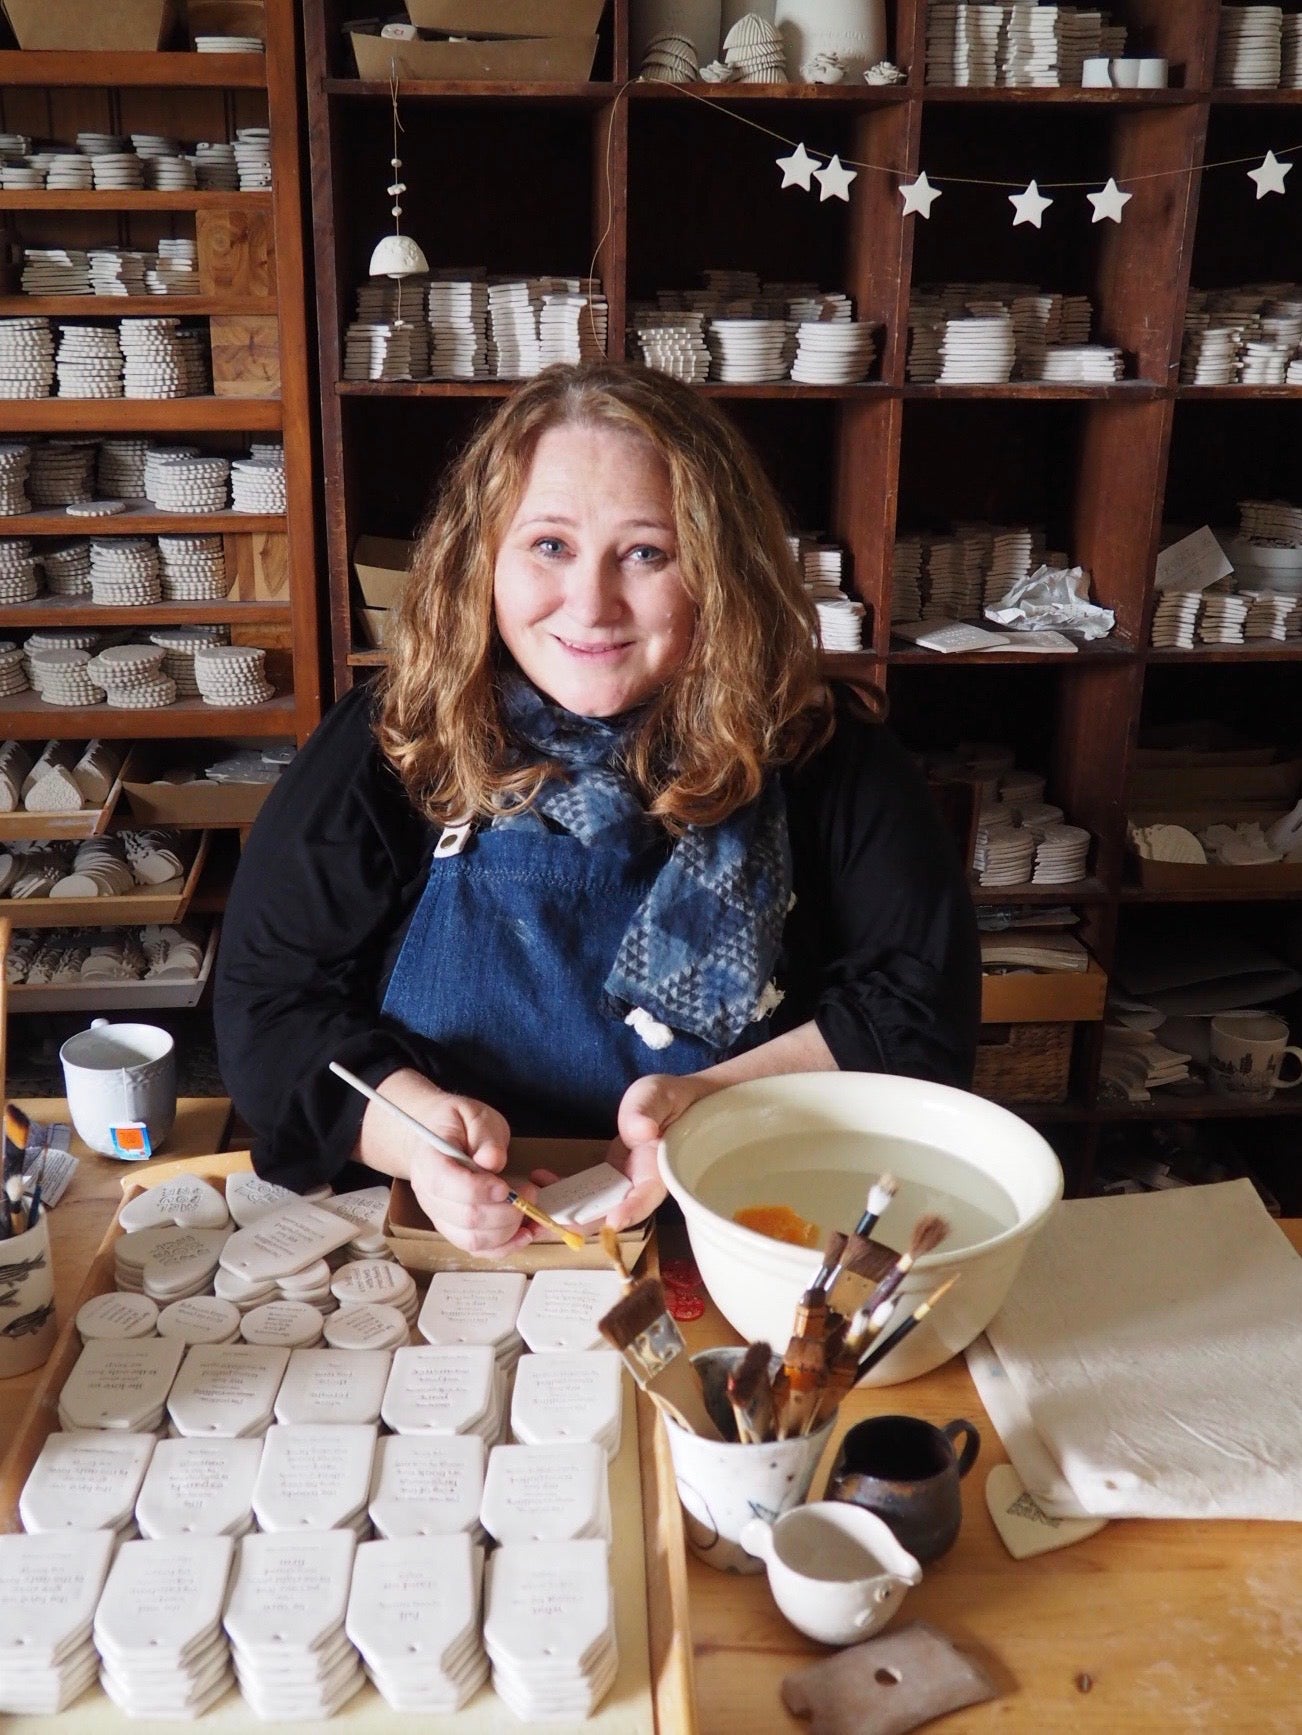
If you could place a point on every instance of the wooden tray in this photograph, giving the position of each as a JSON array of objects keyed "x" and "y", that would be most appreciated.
[
  {"x": 654, "y": 1693},
  {"x": 165, "y": 903},
  {"x": 115, "y": 996},
  {"x": 86, "y": 822}
]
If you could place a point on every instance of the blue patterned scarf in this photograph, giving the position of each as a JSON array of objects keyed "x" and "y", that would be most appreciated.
[{"x": 699, "y": 954}]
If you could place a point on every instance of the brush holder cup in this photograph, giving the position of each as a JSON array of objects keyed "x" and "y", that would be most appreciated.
[
  {"x": 722, "y": 1485},
  {"x": 27, "y": 1323}
]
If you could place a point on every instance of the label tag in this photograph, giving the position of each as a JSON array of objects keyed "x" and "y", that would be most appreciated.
[{"x": 131, "y": 1141}]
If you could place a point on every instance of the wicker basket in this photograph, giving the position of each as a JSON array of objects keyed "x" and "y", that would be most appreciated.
[{"x": 1024, "y": 1062}]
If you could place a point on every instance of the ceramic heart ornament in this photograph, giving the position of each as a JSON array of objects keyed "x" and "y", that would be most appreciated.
[{"x": 1024, "y": 1527}]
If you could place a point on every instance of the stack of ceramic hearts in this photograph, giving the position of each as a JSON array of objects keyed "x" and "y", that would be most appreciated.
[
  {"x": 285, "y": 1620},
  {"x": 1004, "y": 853},
  {"x": 315, "y": 1476},
  {"x": 446, "y": 1391},
  {"x": 475, "y": 1307},
  {"x": 180, "y": 1263},
  {"x": 199, "y": 1487},
  {"x": 1060, "y": 855},
  {"x": 368, "y": 1209},
  {"x": 49, "y": 1590},
  {"x": 432, "y": 1661},
  {"x": 549, "y": 1628},
  {"x": 86, "y": 1481},
  {"x": 158, "y": 1627},
  {"x": 310, "y": 1286}
]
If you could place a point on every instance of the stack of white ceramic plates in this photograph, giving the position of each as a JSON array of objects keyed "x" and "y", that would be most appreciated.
[
  {"x": 62, "y": 472},
  {"x": 1249, "y": 49},
  {"x": 86, "y": 1481},
  {"x": 560, "y": 1399},
  {"x": 1290, "y": 70},
  {"x": 67, "y": 568},
  {"x": 115, "y": 1317},
  {"x": 400, "y": 303},
  {"x": 1004, "y": 854},
  {"x": 367, "y": 1325},
  {"x": 158, "y": 1627},
  {"x": 120, "y": 1385},
  {"x": 834, "y": 351},
  {"x": 258, "y": 483},
  {"x": 120, "y": 468},
  {"x": 1175, "y": 618},
  {"x": 446, "y": 1391},
  {"x": 226, "y": 1390},
  {"x": 180, "y": 1262},
  {"x": 26, "y": 358},
  {"x": 1272, "y": 614},
  {"x": 457, "y": 312},
  {"x": 475, "y": 1307},
  {"x": 15, "y": 468},
  {"x": 1222, "y": 619},
  {"x": 178, "y": 481},
  {"x": 49, "y": 1589},
  {"x": 18, "y": 578},
  {"x": 55, "y": 271},
  {"x": 290, "y": 1324},
  {"x": 199, "y": 1487},
  {"x": 428, "y": 1485},
  {"x": 315, "y": 1476},
  {"x": 377, "y": 1280},
  {"x": 285, "y": 1619},
  {"x": 117, "y": 171},
  {"x": 549, "y": 1628},
  {"x": 252, "y": 149},
  {"x": 200, "y": 1318},
  {"x": 747, "y": 350},
  {"x": 562, "y": 1309},
  {"x": 380, "y": 351},
  {"x": 432, "y": 1661},
  {"x": 232, "y": 675},
  {"x": 673, "y": 343},
  {"x": 69, "y": 171},
  {"x": 124, "y": 572},
  {"x": 1061, "y": 855},
  {"x": 1091, "y": 363},
  {"x": 229, "y": 44},
  {"x": 155, "y": 365},
  {"x": 169, "y": 173},
  {"x": 977, "y": 350},
  {"x": 215, "y": 168},
  {"x": 22, "y": 176},
  {"x": 61, "y": 677},
  {"x": 1030, "y": 52},
  {"x": 572, "y": 326},
  {"x": 174, "y": 269},
  {"x": 179, "y": 645}
]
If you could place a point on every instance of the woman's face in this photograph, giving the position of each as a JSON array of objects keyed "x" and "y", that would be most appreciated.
[{"x": 586, "y": 589}]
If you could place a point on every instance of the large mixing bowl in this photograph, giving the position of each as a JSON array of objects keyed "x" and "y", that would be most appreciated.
[{"x": 816, "y": 1141}]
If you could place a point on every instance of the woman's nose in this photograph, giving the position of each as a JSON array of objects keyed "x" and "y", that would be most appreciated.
[{"x": 593, "y": 590}]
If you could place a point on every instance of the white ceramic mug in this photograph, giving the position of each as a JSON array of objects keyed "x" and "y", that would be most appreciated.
[
  {"x": 27, "y": 1324},
  {"x": 115, "y": 1073},
  {"x": 723, "y": 1486},
  {"x": 1248, "y": 1050},
  {"x": 836, "y": 1571}
]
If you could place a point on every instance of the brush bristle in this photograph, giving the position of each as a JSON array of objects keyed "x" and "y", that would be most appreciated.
[
  {"x": 928, "y": 1233},
  {"x": 864, "y": 1258},
  {"x": 633, "y": 1313},
  {"x": 835, "y": 1247},
  {"x": 744, "y": 1381},
  {"x": 609, "y": 1239},
  {"x": 17, "y": 1126},
  {"x": 881, "y": 1193}
]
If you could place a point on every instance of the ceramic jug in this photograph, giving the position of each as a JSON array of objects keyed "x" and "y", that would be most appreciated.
[{"x": 836, "y": 1571}]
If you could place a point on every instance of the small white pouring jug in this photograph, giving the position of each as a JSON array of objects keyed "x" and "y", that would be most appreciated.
[{"x": 836, "y": 1571}]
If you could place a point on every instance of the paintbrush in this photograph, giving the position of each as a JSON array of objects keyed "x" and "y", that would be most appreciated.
[
  {"x": 571, "y": 1237},
  {"x": 609, "y": 1239},
  {"x": 34, "y": 1204},
  {"x": 928, "y": 1233},
  {"x": 863, "y": 1264},
  {"x": 17, "y": 1128},
  {"x": 641, "y": 1327},
  {"x": 750, "y": 1394},
  {"x": 880, "y": 1195},
  {"x": 799, "y": 1385},
  {"x": 888, "y": 1343},
  {"x": 831, "y": 1263},
  {"x": 844, "y": 1368}
]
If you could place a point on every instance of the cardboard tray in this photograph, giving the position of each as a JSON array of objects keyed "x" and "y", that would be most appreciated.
[
  {"x": 1180, "y": 780},
  {"x": 507, "y": 17},
  {"x": 1180, "y": 876},
  {"x": 86, "y": 822},
  {"x": 165, "y": 903},
  {"x": 534, "y": 59},
  {"x": 377, "y": 625},
  {"x": 1044, "y": 996},
  {"x": 115, "y": 996},
  {"x": 654, "y": 1694},
  {"x": 415, "y": 1243},
  {"x": 190, "y": 805},
  {"x": 89, "y": 25},
  {"x": 382, "y": 564}
]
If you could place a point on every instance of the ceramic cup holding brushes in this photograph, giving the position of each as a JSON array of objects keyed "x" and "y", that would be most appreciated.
[
  {"x": 907, "y": 1473},
  {"x": 116, "y": 1074},
  {"x": 27, "y": 1324},
  {"x": 722, "y": 1484}
]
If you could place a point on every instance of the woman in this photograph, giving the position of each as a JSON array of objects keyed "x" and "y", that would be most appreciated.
[{"x": 598, "y": 843}]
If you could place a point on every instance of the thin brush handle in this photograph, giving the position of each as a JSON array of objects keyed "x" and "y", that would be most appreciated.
[
  {"x": 570, "y": 1237},
  {"x": 677, "y": 1386},
  {"x": 887, "y": 1344}
]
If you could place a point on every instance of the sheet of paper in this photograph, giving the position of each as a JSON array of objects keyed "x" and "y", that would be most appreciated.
[{"x": 1193, "y": 563}]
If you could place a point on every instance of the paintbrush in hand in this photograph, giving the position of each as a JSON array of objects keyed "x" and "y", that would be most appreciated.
[
  {"x": 641, "y": 1327},
  {"x": 750, "y": 1395},
  {"x": 888, "y": 1343},
  {"x": 17, "y": 1130},
  {"x": 571, "y": 1237}
]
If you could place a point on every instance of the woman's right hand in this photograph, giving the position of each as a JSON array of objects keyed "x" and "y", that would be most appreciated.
[{"x": 468, "y": 1206}]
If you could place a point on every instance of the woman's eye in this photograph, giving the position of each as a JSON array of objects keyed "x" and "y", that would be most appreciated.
[
  {"x": 646, "y": 554},
  {"x": 550, "y": 546}
]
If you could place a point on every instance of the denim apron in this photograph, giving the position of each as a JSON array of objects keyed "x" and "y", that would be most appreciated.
[{"x": 503, "y": 967}]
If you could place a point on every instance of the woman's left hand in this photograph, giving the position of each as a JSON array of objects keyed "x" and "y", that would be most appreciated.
[{"x": 649, "y": 1107}]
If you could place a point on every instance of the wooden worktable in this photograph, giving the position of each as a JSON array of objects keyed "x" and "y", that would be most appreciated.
[{"x": 1190, "y": 1627}]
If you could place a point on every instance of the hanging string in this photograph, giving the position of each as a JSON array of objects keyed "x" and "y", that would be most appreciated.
[{"x": 395, "y": 163}]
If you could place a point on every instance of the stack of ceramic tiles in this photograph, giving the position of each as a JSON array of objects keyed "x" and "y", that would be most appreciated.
[
  {"x": 15, "y": 469},
  {"x": 258, "y": 481},
  {"x": 158, "y": 1627},
  {"x": 672, "y": 342},
  {"x": 956, "y": 575},
  {"x": 316, "y": 1475},
  {"x": 840, "y": 616},
  {"x": 26, "y": 358},
  {"x": 1250, "y": 48},
  {"x": 398, "y": 304},
  {"x": 413, "y": 1614},
  {"x": 377, "y": 350},
  {"x": 1018, "y": 42},
  {"x": 992, "y": 332},
  {"x": 86, "y": 1481},
  {"x": 549, "y": 1628},
  {"x": 49, "y": 1590},
  {"x": 475, "y": 1307},
  {"x": 1243, "y": 336},
  {"x": 105, "y": 162},
  {"x": 535, "y": 321},
  {"x": 285, "y": 1620},
  {"x": 200, "y": 1487}
]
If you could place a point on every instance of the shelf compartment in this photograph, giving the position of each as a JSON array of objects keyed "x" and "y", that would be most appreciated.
[
  {"x": 25, "y": 717},
  {"x": 55, "y": 827},
  {"x": 167, "y": 69},
  {"x": 116, "y": 996},
  {"x": 167, "y": 903},
  {"x": 1044, "y": 996},
  {"x": 143, "y": 520},
  {"x": 543, "y": 93},
  {"x": 130, "y": 199},
  {"x": 111, "y": 306},
  {"x": 139, "y": 415}
]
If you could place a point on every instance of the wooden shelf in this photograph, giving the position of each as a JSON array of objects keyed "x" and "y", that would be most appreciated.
[
  {"x": 1087, "y": 891},
  {"x": 1214, "y": 895},
  {"x": 1042, "y": 391},
  {"x": 115, "y": 306},
  {"x": 1058, "y": 96},
  {"x": 106, "y": 70},
  {"x": 55, "y": 612},
  {"x": 128, "y": 199},
  {"x": 141, "y": 521},
  {"x": 25, "y": 717},
  {"x": 1096, "y": 651},
  {"x": 1270, "y": 651},
  {"x": 1170, "y": 1106},
  {"x": 548, "y": 93},
  {"x": 138, "y": 415}
]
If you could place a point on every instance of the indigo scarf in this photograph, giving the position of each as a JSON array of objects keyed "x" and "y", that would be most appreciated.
[{"x": 699, "y": 954}]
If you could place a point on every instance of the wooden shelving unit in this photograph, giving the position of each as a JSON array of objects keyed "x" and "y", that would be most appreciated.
[
  {"x": 254, "y": 255},
  {"x": 657, "y": 185}
]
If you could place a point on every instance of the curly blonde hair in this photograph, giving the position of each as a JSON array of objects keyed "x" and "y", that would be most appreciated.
[{"x": 747, "y": 697}]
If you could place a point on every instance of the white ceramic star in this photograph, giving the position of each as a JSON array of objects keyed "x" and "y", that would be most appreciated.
[
  {"x": 797, "y": 168},
  {"x": 919, "y": 196},
  {"x": 1270, "y": 176},
  {"x": 835, "y": 181},
  {"x": 1109, "y": 202},
  {"x": 1030, "y": 205}
]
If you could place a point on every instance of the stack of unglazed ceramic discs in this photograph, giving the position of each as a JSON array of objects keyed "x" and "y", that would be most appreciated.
[
  {"x": 124, "y": 571},
  {"x": 232, "y": 675},
  {"x": 18, "y": 579},
  {"x": 117, "y": 1316},
  {"x": 193, "y": 568},
  {"x": 120, "y": 468},
  {"x": 179, "y": 645},
  {"x": 67, "y": 568},
  {"x": 99, "y": 870},
  {"x": 89, "y": 362},
  {"x": 62, "y": 472},
  {"x": 258, "y": 484},
  {"x": 367, "y": 1325},
  {"x": 215, "y": 167},
  {"x": 288, "y": 1324},
  {"x": 155, "y": 365},
  {"x": 26, "y": 358},
  {"x": 117, "y": 171},
  {"x": 62, "y": 677},
  {"x": 184, "y": 482},
  {"x": 376, "y": 1280},
  {"x": 132, "y": 676},
  {"x": 13, "y": 672},
  {"x": 200, "y": 1319},
  {"x": 15, "y": 467}
]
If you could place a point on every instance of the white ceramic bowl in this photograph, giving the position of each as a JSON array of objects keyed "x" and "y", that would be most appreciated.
[{"x": 943, "y": 1145}]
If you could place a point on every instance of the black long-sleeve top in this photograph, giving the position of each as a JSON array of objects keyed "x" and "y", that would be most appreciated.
[{"x": 879, "y": 949}]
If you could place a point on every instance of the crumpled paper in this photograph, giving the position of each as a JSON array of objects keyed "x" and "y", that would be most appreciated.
[{"x": 1053, "y": 596}]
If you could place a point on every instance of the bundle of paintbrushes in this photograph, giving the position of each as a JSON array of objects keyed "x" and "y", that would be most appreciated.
[{"x": 20, "y": 1208}]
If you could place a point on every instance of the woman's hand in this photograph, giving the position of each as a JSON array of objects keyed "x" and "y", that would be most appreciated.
[
  {"x": 468, "y": 1206},
  {"x": 649, "y": 1107}
]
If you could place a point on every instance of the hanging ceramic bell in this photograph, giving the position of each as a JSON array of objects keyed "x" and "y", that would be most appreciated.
[{"x": 398, "y": 256}]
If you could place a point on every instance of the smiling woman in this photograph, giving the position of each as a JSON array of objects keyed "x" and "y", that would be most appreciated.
[{"x": 599, "y": 843}]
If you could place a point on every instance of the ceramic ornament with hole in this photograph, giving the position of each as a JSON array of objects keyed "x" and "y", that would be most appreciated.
[
  {"x": 1109, "y": 204},
  {"x": 397, "y": 255},
  {"x": 1025, "y": 1529},
  {"x": 919, "y": 196},
  {"x": 797, "y": 168},
  {"x": 1269, "y": 176},
  {"x": 1029, "y": 205},
  {"x": 834, "y": 178}
]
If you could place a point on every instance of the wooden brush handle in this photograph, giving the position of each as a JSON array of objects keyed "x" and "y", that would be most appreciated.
[{"x": 678, "y": 1387}]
